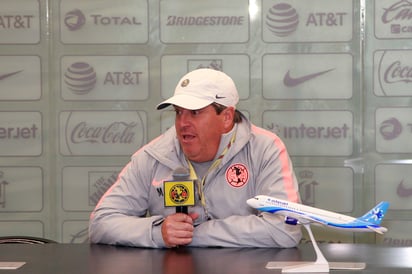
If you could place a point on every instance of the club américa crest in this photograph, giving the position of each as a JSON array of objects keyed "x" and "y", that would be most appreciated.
[
  {"x": 179, "y": 193},
  {"x": 237, "y": 175}
]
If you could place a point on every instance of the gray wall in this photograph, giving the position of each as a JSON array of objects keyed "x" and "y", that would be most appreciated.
[{"x": 80, "y": 80}]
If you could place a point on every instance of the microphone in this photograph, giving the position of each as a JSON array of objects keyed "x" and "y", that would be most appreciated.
[
  {"x": 181, "y": 174},
  {"x": 180, "y": 192}
]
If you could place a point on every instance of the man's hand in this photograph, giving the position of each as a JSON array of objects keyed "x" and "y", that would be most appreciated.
[{"x": 177, "y": 229}]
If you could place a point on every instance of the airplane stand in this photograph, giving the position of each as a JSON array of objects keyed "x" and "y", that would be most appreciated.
[{"x": 321, "y": 265}]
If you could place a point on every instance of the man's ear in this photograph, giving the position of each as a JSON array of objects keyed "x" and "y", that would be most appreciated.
[{"x": 229, "y": 115}]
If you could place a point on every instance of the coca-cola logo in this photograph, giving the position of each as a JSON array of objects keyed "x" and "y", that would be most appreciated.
[
  {"x": 114, "y": 133},
  {"x": 102, "y": 132},
  {"x": 394, "y": 72},
  {"x": 398, "y": 72}
]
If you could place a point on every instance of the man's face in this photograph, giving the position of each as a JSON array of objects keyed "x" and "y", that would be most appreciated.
[{"x": 199, "y": 131}]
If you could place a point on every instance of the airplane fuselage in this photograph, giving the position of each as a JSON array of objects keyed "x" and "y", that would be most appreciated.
[{"x": 306, "y": 214}]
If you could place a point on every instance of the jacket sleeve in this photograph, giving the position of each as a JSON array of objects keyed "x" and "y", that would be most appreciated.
[
  {"x": 266, "y": 230},
  {"x": 120, "y": 216}
]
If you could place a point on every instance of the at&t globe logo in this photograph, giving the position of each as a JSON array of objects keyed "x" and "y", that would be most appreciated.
[
  {"x": 282, "y": 19},
  {"x": 80, "y": 78}
]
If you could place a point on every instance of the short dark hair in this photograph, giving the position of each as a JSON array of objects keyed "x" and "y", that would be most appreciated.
[{"x": 219, "y": 108}]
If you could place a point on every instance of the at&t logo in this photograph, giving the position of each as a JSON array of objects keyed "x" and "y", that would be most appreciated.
[
  {"x": 293, "y": 21},
  {"x": 282, "y": 19}
]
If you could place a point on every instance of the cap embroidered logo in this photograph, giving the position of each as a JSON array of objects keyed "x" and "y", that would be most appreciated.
[{"x": 185, "y": 83}]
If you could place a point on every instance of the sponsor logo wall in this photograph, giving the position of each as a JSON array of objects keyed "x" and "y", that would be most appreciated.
[{"x": 80, "y": 79}]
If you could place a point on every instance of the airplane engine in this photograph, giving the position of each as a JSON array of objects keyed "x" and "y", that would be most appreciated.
[{"x": 291, "y": 221}]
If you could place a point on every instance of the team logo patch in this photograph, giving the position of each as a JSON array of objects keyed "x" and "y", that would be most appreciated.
[{"x": 237, "y": 175}]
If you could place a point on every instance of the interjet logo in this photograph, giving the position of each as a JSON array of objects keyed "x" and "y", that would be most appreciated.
[{"x": 314, "y": 132}]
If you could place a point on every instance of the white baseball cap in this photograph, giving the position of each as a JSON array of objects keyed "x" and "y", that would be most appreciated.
[{"x": 202, "y": 87}]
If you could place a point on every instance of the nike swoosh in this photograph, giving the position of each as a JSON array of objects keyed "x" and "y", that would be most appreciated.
[
  {"x": 403, "y": 191},
  {"x": 4, "y": 76},
  {"x": 292, "y": 82}
]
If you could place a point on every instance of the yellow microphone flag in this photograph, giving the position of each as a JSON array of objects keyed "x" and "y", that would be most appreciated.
[{"x": 179, "y": 193}]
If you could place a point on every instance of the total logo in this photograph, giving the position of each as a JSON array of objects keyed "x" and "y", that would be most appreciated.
[
  {"x": 390, "y": 129},
  {"x": 75, "y": 20},
  {"x": 283, "y": 19},
  {"x": 393, "y": 129}
]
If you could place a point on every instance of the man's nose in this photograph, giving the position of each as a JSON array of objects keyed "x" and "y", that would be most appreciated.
[{"x": 184, "y": 118}]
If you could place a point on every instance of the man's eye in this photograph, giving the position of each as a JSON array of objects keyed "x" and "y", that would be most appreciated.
[{"x": 195, "y": 112}]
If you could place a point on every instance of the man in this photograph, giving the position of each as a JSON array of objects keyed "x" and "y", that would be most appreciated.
[{"x": 230, "y": 159}]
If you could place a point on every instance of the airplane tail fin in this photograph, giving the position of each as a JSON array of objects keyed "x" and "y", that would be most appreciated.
[{"x": 376, "y": 214}]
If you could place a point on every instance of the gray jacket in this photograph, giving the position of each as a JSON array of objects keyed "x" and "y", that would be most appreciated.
[{"x": 132, "y": 210}]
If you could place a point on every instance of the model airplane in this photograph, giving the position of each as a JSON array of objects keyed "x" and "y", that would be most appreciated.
[
  {"x": 302, "y": 214},
  {"x": 306, "y": 215}
]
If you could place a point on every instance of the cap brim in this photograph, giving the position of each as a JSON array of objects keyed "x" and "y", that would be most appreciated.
[{"x": 185, "y": 101}]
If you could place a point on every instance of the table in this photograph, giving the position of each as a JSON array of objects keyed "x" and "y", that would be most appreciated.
[{"x": 105, "y": 259}]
